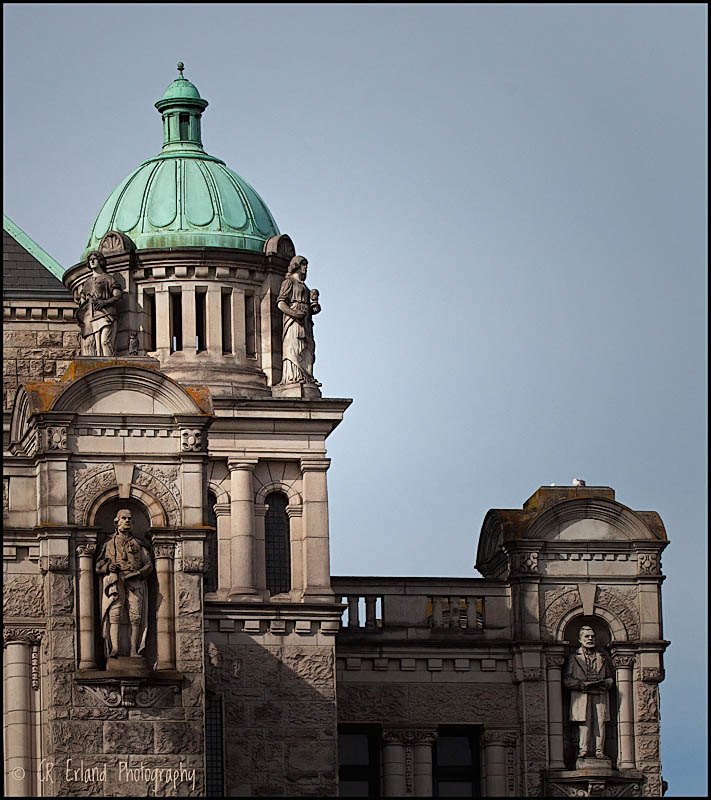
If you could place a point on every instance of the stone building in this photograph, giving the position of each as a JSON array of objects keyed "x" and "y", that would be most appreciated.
[{"x": 171, "y": 625}]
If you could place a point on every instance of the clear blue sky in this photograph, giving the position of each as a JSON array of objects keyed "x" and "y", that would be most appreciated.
[{"x": 504, "y": 208}]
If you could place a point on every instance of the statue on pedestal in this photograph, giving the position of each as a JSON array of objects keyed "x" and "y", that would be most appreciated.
[
  {"x": 298, "y": 305},
  {"x": 97, "y": 314},
  {"x": 587, "y": 675},
  {"x": 125, "y": 564}
]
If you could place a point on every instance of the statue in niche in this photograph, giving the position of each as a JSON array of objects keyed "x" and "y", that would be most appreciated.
[
  {"x": 587, "y": 675},
  {"x": 298, "y": 305},
  {"x": 97, "y": 313},
  {"x": 125, "y": 564}
]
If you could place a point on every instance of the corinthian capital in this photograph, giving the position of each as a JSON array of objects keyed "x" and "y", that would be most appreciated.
[
  {"x": 23, "y": 635},
  {"x": 498, "y": 737}
]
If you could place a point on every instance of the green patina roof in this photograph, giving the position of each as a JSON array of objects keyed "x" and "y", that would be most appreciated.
[{"x": 184, "y": 197}]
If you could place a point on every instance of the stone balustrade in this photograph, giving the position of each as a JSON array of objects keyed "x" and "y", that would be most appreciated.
[{"x": 436, "y": 606}]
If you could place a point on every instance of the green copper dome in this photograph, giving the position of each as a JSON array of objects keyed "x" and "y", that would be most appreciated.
[{"x": 184, "y": 197}]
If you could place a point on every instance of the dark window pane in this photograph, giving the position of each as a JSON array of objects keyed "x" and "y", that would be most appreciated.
[
  {"x": 277, "y": 544},
  {"x": 211, "y": 546},
  {"x": 454, "y": 751},
  {"x": 353, "y": 749},
  {"x": 455, "y": 789},
  {"x": 353, "y": 789},
  {"x": 213, "y": 746}
]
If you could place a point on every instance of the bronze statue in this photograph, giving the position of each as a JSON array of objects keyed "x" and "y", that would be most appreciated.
[
  {"x": 97, "y": 314},
  {"x": 587, "y": 675},
  {"x": 298, "y": 305},
  {"x": 125, "y": 564}
]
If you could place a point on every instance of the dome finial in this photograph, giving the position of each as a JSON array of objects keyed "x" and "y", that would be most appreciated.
[{"x": 181, "y": 67}]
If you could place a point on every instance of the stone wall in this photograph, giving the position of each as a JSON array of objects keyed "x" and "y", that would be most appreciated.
[
  {"x": 38, "y": 344},
  {"x": 279, "y": 712}
]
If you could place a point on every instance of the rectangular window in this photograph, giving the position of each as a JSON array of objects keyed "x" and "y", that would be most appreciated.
[
  {"x": 184, "y": 123},
  {"x": 226, "y": 322},
  {"x": 359, "y": 761},
  {"x": 149, "y": 305},
  {"x": 200, "y": 305},
  {"x": 250, "y": 326},
  {"x": 176, "y": 321},
  {"x": 214, "y": 761},
  {"x": 455, "y": 762}
]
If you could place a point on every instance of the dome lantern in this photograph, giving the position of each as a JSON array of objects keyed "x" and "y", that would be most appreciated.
[{"x": 181, "y": 108}]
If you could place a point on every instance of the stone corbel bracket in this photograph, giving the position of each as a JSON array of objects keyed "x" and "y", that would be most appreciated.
[{"x": 131, "y": 692}]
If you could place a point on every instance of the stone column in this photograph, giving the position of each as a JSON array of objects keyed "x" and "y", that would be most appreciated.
[
  {"x": 18, "y": 725},
  {"x": 189, "y": 326},
  {"x": 164, "y": 552},
  {"x": 213, "y": 322},
  {"x": 242, "y": 529},
  {"x": 317, "y": 568},
  {"x": 87, "y": 656},
  {"x": 422, "y": 751},
  {"x": 260, "y": 554},
  {"x": 554, "y": 665},
  {"x": 224, "y": 579},
  {"x": 495, "y": 743},
  {"x": 623, "y": 662},
  {"x": 163, "y": 342},
  {"x": 297, "y": 547},
  {"x": 393, "y": 764},
  {"x": 239, "y": 335}
]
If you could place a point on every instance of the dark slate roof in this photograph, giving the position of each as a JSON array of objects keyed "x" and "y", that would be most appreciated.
[{"x": 26, "y": 266}]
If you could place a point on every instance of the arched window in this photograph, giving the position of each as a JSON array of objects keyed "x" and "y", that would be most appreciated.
[
  {"x": 277, "y": 544},
  {"x": 211, "y": 545}
]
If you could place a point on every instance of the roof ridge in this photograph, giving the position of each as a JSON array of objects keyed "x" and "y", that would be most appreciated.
[{"x": 44, "y": 258}]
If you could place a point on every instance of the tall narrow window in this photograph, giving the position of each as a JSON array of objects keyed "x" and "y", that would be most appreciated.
[
  {"x": 211, "y": 549},
  {"x": 200, "y": 303},
  {"x": 176, "y": 322},
  {"x": 250, "y": 326},
  {"x": 149, "y": 305},
  {"x": 277, "y": 544},
  {"x": 184, "y": 126},
  {"x": 214, "y": 760},
  {"x": 226, "y": 323},
  {"x": 455, "y": 763},
  {"x": 359, "y": 761}
]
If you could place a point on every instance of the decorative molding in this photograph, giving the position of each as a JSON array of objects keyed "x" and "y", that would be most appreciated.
[
  {"x": 622, "y": 602},
  {"x": 88, "y": 483},
  {"x": 531, "y": 674},
  {"x": 163, "y": 483},
  {"x": 498, "y": 738},
  {"x": 164, "y": 549},
  {"x": 193, "y": 564},
  {"x": 54, "y": 563},
  {"x": 86, "y": 549},
  {"x": 34, "y": 667},
  {"x": 30, "y": 636},
  {"x": 56, "y": 437},
  {"x": 623, "y": 660},
  {"x": 524, "y": 564},
  {"x": 129, "y": 693},
  {"x": 555, "y": 661},
  {"x": 649, "y": 564},
  {"x": 191, "y": 440},
  {"x": 556, "y": 604},
  {"x": 652, "y": 675}
]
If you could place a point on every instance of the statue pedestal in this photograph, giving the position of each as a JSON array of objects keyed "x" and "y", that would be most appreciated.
[
  {"x": 306, "y": 391},
  {"x": 127, "y": 665},
  {"x": 590, "y": 765}
]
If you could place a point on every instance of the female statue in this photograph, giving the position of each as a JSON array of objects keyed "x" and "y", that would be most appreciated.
[{"x": 298, "y": 305}]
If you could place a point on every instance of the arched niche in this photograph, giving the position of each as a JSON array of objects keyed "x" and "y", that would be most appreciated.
[
  {"x": 604, "y": 637},
  {"x": 103, "y": 515}
]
